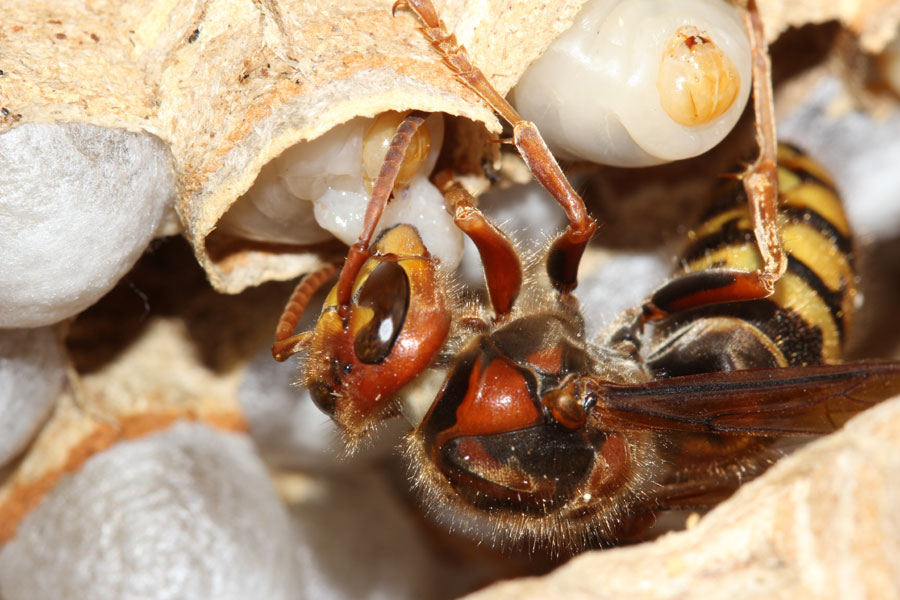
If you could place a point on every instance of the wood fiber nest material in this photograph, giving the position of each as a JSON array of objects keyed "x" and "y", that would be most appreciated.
[{"x": 230, "y": 84}]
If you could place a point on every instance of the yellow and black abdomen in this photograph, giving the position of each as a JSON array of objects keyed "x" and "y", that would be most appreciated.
[{"x": 806, "y": 319}]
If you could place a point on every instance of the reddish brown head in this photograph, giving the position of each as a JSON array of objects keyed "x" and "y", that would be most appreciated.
[{"x": 397, "y": 320}]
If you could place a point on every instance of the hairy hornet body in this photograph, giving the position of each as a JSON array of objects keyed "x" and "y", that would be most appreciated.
[
  {"x": 549, "y": 437},
  {"x": 545, "y": 435}
]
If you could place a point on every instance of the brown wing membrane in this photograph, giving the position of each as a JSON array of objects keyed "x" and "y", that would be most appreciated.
[{"x": 786, "y": 401}]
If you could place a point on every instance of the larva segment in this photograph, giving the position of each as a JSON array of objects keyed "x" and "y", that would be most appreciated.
[
  {"x": 697, "y": 81},
  {"x": 598, "y": 91},
  {"x": 377, "y": 143}
]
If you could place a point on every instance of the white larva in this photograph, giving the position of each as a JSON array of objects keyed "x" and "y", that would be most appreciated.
[
  {"x": 640, "y": 82},
  {"x": 321, "y": 188}
]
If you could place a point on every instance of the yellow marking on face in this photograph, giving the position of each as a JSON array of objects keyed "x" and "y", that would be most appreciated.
[
  {"x": 328, "y": 328},
  {"x": 402, "y": 239},
  {"x": 364, "y": 272},
  {"x": 330, "y": 299},
  {"x": 359, "y": 318}
]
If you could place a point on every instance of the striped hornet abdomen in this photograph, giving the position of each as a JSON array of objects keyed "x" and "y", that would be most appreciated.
[{"x": 803, "y": 323}]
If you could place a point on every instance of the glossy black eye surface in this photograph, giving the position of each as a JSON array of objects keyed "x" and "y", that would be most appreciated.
[{"x": 386, "y": 292}]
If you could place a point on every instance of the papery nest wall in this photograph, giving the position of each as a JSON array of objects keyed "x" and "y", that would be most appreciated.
[{"x": 230, "y": 85}]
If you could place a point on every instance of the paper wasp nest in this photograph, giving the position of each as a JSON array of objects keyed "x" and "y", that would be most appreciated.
[{"x": 177, "y": 108}]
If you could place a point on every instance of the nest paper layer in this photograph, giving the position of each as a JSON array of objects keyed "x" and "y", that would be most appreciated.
[{"x": 229, "y": 84}]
